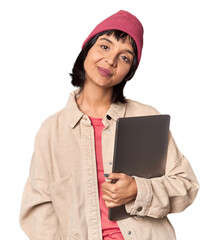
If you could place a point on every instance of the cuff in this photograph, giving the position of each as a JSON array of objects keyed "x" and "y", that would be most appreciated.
[{"x": 141, "y": 204}]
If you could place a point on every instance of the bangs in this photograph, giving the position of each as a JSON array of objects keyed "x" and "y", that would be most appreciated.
[{"x": 119, "y": 35}]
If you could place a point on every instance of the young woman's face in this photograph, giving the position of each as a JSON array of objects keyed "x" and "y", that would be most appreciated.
[{"x": 108, "y": 61}]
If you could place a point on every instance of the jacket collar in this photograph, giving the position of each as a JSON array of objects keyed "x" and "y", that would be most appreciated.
[{"x": 74, "y": 114}]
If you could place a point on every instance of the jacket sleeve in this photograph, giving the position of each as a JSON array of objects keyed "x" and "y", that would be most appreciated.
[
  {"x": 173, "y": 192},
  {"x": 37, "y": 217}
]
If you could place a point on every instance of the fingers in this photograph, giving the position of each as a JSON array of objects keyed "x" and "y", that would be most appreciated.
[
  {"x": 108, "y": 188},
  {"x": 122, "y": 183},
  {"x": 110, "y": 197},
  {"x": 115, "y": 202},
  {"x": 111, "y": 202},
  {"x": 125, "y": 189},
  {"x": 110, "y": 194}
]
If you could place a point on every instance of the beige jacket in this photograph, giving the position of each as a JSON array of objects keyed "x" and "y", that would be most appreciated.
[{"x": 60, "y": 199}]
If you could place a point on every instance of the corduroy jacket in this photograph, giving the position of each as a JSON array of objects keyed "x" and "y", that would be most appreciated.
[{"x": 60, "y": 199}]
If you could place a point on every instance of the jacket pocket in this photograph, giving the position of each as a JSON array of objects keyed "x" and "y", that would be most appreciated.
[{"x": 63, "y": 200}]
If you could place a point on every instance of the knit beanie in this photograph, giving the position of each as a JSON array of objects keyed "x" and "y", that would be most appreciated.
[{"x": 123, "y": 21}]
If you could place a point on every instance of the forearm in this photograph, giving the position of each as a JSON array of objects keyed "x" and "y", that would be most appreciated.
[{"x": 172, "y": 192}]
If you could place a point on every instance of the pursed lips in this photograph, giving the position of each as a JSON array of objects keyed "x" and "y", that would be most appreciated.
[{"x": 104, "y": 72}]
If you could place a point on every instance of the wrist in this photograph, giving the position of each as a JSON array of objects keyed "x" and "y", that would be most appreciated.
[{"x": 135, "y": 189}]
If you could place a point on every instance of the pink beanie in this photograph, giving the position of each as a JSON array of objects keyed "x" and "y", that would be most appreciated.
[{"x": 123, "y": 21}]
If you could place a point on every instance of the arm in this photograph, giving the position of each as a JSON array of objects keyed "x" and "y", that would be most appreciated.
[
  {"x": 37, "y": 217},
  {"x": 155, "y": 197},
  {"x": 173, "y": 192}
]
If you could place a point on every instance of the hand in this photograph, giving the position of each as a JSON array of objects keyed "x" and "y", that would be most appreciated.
[{"x": 121, "y": 192}]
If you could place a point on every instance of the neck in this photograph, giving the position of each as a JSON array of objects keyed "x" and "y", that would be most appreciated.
[{"x": 94, "y": 101}]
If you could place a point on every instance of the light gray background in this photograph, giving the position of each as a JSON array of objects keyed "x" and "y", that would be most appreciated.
[{"x": 178, "y": 75}]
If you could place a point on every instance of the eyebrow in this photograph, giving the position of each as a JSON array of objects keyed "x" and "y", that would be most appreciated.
[{"x": 127, "y": 50}]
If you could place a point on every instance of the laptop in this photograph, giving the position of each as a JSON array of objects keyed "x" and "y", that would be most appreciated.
[{"x": 140, "y": 149}]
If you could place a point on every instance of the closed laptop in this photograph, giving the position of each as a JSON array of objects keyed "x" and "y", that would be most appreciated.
[{"x": 140, "y": 149}]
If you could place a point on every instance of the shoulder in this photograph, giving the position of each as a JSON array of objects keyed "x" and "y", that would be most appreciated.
[
  {"x": 136, "y": 107},
  {"x": 51, "y": 123}
]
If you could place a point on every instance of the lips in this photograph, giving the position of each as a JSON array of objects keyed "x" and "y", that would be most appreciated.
[{"x": 104, "y": 72}]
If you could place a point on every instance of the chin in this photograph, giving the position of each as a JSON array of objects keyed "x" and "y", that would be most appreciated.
[
  {"x": 103, "y": 81},
  {"x": 104, "y": 84}
]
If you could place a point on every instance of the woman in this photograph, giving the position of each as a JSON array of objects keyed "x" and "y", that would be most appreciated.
[{"x": 66, "y": 195}]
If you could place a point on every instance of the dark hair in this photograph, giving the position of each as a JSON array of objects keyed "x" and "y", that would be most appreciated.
[{"x": 78, "y": 72}]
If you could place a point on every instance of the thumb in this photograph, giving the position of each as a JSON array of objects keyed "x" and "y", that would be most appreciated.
[{"x": 113, "y": 176}]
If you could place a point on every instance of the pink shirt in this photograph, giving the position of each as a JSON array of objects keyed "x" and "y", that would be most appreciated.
[{"x": 110, "y": 229}]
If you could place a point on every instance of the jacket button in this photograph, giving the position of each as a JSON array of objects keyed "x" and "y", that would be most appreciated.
[
  {"x": 139, "y": 209},
  {"x": 129, "y": 232},
  {"x": 110, "y": 163},
  {"x": 108, "y": 117}
]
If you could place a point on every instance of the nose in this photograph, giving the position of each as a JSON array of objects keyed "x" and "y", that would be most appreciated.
[{"x": 111, "y": 60}]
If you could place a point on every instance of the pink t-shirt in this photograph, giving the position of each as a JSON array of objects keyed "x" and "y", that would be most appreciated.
[{"x": 110, "y": 229}]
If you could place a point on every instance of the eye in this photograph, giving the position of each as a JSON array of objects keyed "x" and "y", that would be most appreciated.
[
  {"x": 104, "y": 47},
  {"x": 125, "y": 59}
]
